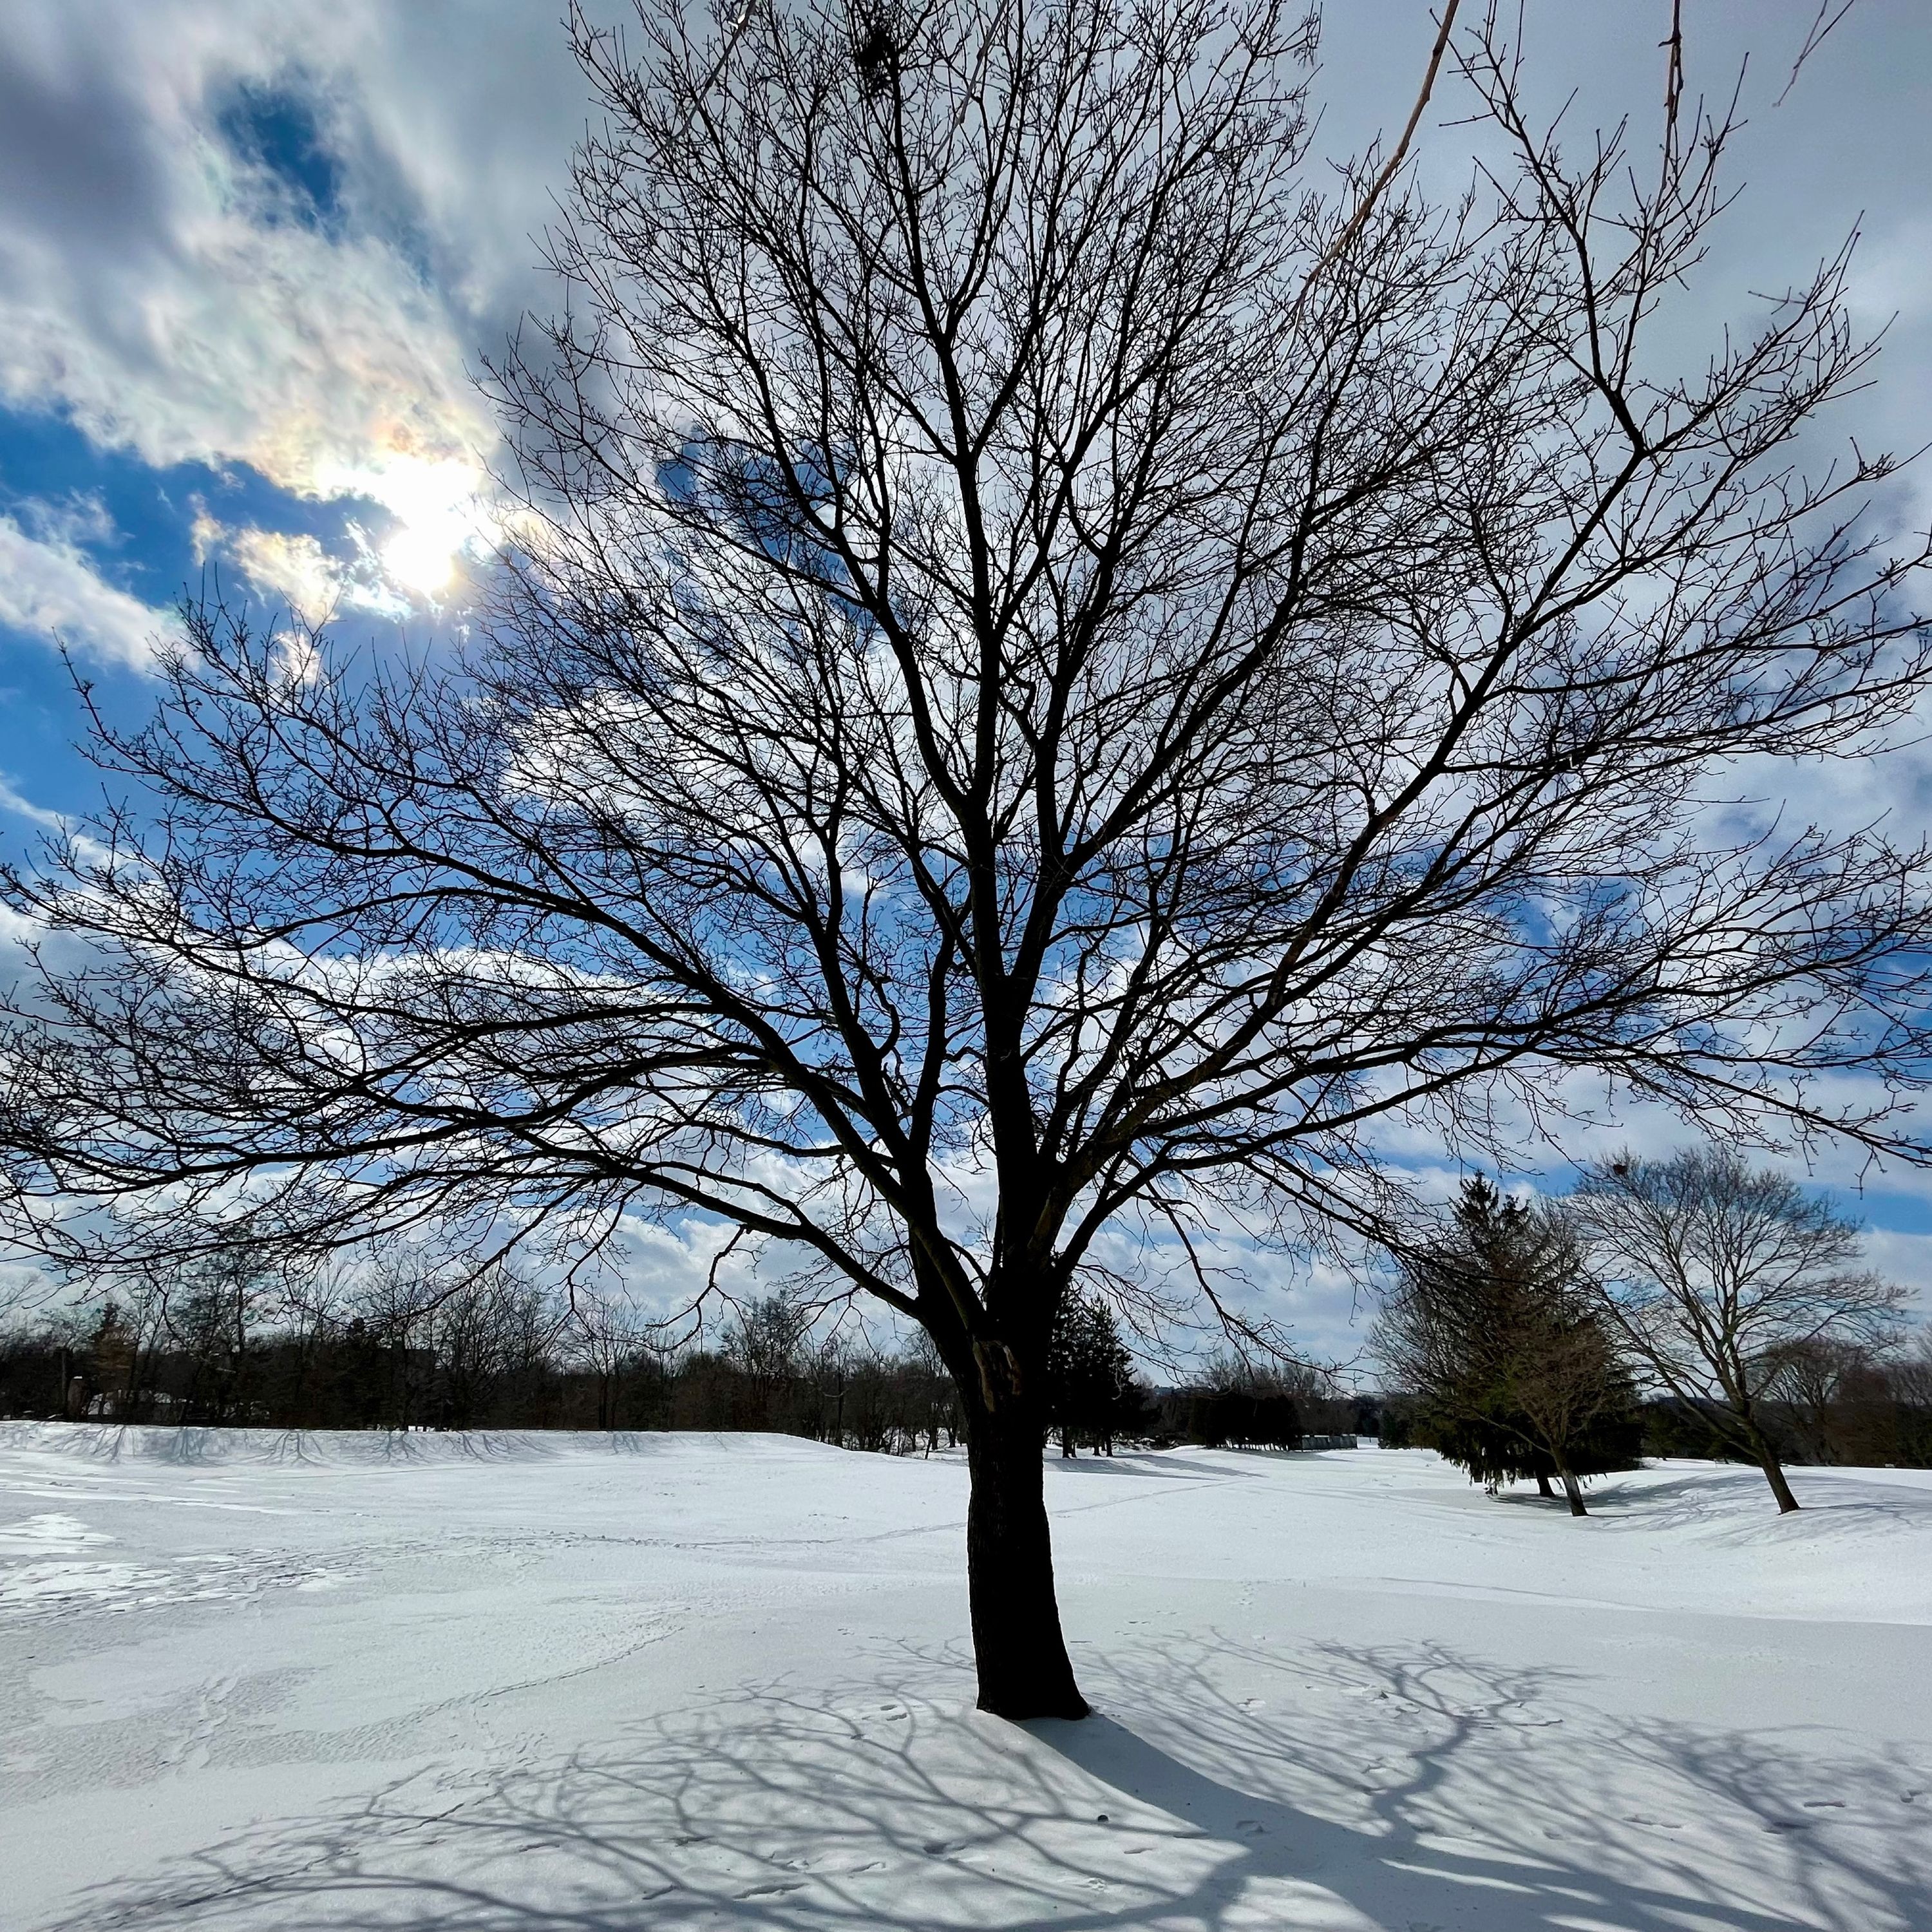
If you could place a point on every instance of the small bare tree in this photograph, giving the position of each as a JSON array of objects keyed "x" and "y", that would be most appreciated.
[
  {"x": 1810, "y": 1382},
  {"x": 607, "y": 1337},
  {"x": 1058, "y": 671},
  {"x": 1720, "y": 1275}
]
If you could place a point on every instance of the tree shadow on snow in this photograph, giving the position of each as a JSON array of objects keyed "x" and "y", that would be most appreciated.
[
  {"x": 1731, "y": 1503},
  {"x": 1405, "y": 1787}
]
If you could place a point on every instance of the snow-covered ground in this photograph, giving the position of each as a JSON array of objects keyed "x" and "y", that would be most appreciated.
[{"x": 574, "y": 1684}]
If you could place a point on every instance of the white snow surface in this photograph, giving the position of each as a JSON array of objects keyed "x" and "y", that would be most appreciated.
[{"x": 499, "y": 1683}]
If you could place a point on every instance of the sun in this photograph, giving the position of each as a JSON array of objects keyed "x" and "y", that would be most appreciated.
[
  {"x": 440, "y": 516},
  {"x": 422, "y": 559}
]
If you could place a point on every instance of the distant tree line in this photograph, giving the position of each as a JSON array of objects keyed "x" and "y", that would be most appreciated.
[
  {"x": 235, "y": 1343},
  {"x": 1876, "y": 1414}
]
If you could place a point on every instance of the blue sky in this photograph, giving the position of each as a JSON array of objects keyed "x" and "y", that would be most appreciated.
[{"x": 251, "y": 254}]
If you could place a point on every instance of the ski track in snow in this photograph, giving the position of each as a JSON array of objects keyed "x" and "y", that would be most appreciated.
[{"x": 506, "y": 1683}]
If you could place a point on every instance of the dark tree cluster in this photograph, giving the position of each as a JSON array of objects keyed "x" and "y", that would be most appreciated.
[
  {"x": 1842, "y": 1401},
  {"x": 1242, "y": 1419},
  {"x": 1237, "y": 1403},
  {"x": 235, "y": 1347}
]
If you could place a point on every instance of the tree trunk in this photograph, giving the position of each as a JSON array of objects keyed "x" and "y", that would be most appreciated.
[
  {"x": 1774, "y": 1474},
  {"x": 1574, "y": 1490},
  {"x": 1023, "y": 1665},
  {"x": 1767, "y": 1461},
  {"x": 1543, "y": 1488}
]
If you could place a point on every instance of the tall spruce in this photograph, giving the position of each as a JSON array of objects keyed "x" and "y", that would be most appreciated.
[
  {"x": 1493, "y": 1325},
  {"x": 1093, "y": 1395}
]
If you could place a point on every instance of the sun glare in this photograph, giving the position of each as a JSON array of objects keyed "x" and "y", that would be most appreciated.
[
  {"x": 421, "y": 560},
  {"x": 439, "y": 515}
]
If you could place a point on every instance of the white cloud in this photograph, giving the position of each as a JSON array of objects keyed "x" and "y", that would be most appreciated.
[
  {"x": 164, "y": 291},
  {"x": 49, "y": 587},
  {"x": 80, "y": 518},
  {"x": 1906, "y": 1259},
  {"x": 13, "y": 802},
  {"x": 1892, "y": 276},
  {"x": 295, "y": 569}
]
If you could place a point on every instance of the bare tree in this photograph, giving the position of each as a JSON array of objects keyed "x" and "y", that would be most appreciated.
[
  {"x": 1720, "y": 1275},
  {"x": 397, "y": 1300},
  {"x": 1058, "y": 672},
  {"x": 768, "y": 1343},
  {"x": 1810, "y": 1381},
  {"x": 306, "y": 1317},
  {"x": 608, "y": 1337},
  {"x": 224, "y": 1305},
  {"x": 142, "y": 1296}
]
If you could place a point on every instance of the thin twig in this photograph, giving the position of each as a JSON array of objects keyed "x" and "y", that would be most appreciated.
[
  {"x": 1352, "y": 227},
  {"x": 1673, "y": 83},
  {"x": 1820, "y": 27}
]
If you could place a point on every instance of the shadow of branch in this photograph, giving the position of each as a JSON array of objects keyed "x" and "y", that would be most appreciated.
[{"x": 1405, "y": 1785}]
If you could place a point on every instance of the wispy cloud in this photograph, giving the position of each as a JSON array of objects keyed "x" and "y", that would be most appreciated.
[
  {"x": 50, "y": 589},
  {"x": 12, "y": 802},
  {"x": 312, "y": 583}
]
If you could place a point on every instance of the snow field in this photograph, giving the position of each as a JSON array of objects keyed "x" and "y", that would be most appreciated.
[{"x": 579, "y": 1684}]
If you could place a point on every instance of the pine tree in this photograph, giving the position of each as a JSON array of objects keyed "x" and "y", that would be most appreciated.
[
  {"x": 1093, "y": 1394},
  {"x": 1491, "y": 1327}
]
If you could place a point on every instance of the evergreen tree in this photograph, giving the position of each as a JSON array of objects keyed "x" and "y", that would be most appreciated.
[
  {"x": 1093, "y": 1394},
  {"x": 1491, "y": 1326}
]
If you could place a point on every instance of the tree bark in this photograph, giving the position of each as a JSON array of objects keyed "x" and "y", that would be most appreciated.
[
  {"x": 1543, "y": 1488},
  {"x": 1574, "y": 1490},
  {"x": 1774, "y": 1474},
  {"x": 1767, "y": 1461},
  {"x": 1023, "y": 1668}
]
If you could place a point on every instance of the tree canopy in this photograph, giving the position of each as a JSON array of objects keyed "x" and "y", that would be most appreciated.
[{"x": 1061, "y": 669}]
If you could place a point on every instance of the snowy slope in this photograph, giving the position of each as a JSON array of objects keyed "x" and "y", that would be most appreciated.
[{"x": 579, "y": 1685}]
